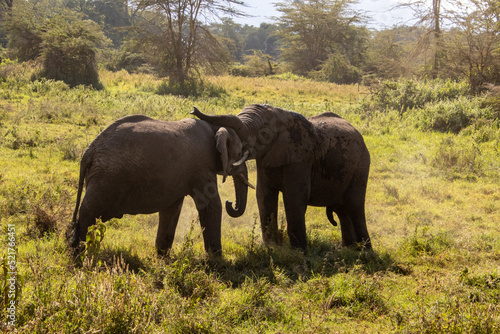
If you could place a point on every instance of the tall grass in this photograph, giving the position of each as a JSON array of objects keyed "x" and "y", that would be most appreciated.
[{"x": 432, "y": 212}]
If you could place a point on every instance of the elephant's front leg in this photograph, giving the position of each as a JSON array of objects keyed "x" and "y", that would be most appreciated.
[
  {"x": 209, "y": 208},
  {"x": 267, "y": 201},
  {"x": 296, "y": 191},
  {"x": 166, "y": 227}
]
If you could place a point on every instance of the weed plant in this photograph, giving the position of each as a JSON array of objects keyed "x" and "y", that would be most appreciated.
[{"x": 433, "y": 209}]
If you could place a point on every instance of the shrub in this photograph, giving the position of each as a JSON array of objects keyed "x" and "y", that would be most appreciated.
[
  {"x": 338, "y": 69},
  {"x": 123, "y": 59},
  {"x": 256, "y": 65},
  {"x": 6, "y": 68},
  {"x": 44, "y": 222},
  {"x": 408, "y": 94},
  {"x": 69, "y": 51},
  {"x": 449, "y": 115}
]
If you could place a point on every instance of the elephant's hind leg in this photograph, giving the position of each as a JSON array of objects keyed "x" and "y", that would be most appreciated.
[
  {"x": 346, "y": 226},
  {"x": 353, "y": 225},
  {"x": 355, "y": 207},
  {"x": 166, "y": 227},
  {"x": 87, "y": 216},
  {"x": 360, "y": 229}
]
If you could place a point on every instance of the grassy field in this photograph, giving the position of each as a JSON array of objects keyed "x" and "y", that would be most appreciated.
[{"x": 433, "y": 212}]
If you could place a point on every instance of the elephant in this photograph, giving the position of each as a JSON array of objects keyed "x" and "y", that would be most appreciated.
[
  {"x": 319, "y": 161},
  {"x": 139, "y": 165}
]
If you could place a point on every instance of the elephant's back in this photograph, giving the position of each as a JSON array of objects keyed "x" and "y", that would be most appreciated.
[
  {"x": 151, "y": 155},
  {"x": 138, "y": 134},
  {"x": 331, "y": 124},
  {"x": 335, "y": 130}
]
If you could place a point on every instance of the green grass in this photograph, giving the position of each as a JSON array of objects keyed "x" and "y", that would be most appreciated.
[{"x": 433, "y": 211}]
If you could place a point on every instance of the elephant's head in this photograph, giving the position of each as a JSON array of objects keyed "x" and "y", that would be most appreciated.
[
  {"x": 273, "y": 136},
  {"x": 229, "y": 146}
]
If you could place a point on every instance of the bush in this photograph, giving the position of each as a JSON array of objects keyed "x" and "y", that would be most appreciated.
[
  {"x": 240, "y": 71},
  {"x": 338, "y": 69},
  {"x": 116, "y": 60},
  {"x": 69, "y": 51},
  {"x": 257, "y": 65},
  {"x": 450, "y": 115},
  {"x": 409, "y": 94}
]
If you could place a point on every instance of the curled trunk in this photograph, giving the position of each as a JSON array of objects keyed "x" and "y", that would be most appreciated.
[{"x": 241, "y": 191}]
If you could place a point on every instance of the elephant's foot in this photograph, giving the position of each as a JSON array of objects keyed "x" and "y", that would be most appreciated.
[
  {"x": 359, "y": 246},
  {"x": 163, "y": 253}
]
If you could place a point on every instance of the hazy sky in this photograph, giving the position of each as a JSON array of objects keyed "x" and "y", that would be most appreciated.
[{"x": 378, "y": 12}]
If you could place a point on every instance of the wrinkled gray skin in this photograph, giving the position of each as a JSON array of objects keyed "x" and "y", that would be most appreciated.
[
  {"x": 318, "y": 161},
  {"x": 139, "y": 165}
]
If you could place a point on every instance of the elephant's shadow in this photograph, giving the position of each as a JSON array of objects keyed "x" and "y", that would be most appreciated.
[
  {"x": 282, "y": 263},
  {"x": 276, "y": 264}
]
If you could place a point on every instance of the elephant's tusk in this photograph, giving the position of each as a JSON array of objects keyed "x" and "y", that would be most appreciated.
[
  {"x": 242, "y": 159},
  {"x": 245, "y": 180}
]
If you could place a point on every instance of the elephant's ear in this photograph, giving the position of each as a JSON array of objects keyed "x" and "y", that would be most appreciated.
[
  {"x": 221, "y": 141},
  {"x": 295, "y": 143},
  {"x": 221, "y": 144}
]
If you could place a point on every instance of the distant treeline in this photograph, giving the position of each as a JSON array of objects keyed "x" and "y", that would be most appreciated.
[{"x": 184, "y": 40}]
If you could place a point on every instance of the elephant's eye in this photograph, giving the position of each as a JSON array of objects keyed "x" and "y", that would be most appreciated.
[{"x": 265, "y": 135}]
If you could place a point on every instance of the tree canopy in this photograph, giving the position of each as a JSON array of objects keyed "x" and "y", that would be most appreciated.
[{"x": 174, "y": 37}]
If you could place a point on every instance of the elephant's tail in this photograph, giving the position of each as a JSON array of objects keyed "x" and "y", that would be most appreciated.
[
  {"x": 329, "y": 215},
  {"x": 84, "y": 164}
]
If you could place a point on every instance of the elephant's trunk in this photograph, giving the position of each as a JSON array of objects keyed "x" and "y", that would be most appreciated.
[
  {"x": 228, "y": 121},
  {"x": 241, "y": 189}
]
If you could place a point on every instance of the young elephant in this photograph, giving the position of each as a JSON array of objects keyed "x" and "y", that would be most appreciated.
[
  {"x": 139, "y": 165},
  {"x": 318, "y": 161}
]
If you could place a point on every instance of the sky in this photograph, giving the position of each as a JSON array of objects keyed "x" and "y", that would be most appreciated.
[{"x": 378, "y": 11}]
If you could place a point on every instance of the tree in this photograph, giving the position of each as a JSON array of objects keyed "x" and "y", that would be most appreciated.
[
  {"x": 430, "y": 15},
  {"x": 475, "y": 42},
  {"x": 232, "y": 36},
  {"x": 175, "y": 38},
  {"x": 5, "y": 12},
  {"x": 320, "y": 35},
  {"x": 112, "y": 15},
  {"x": 264, "y": 38},
  {"x": 243, "y": 41},
  {"x": 24, "y": 28},
  {"x": 388, "y": 52},
  {"x": 65, "y": 44}
]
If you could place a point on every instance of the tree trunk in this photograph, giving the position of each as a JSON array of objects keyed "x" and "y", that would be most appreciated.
[{"x": 436, "y": 8}]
